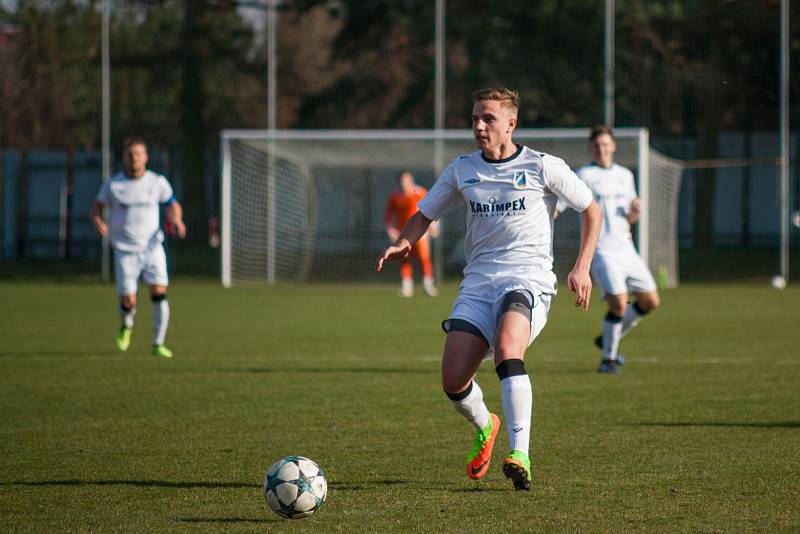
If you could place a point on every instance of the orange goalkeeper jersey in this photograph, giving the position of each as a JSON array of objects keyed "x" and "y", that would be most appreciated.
[{"x": 400, "y": 207}]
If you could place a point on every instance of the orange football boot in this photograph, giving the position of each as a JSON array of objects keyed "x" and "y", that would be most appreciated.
[{"x": 481, "y": 454}]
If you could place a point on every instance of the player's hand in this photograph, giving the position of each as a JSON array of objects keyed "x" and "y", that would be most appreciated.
[
  {"x": 636, "y": 206},
  {"x": 396, "y": 252},
  {"x": 433, "y": 229},
  {"x": 393, "y": 234},
  {"x": 101, "y": 227},
  {"x": 580, "y": 283},
  {"x": 180, "y": 229}
]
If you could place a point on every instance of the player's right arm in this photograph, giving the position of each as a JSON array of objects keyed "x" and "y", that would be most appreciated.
[
  {"x": 414, "y": 229},
  {"x": 442, "y": 197},
  {"x": 102, "y": 200},
  {"x": 96, "y": 217}
]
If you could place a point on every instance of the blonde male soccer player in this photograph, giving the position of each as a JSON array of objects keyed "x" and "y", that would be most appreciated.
[
  {"x": 617, "y": 268},
  {"x": 509, "y": 192},
  {"x": 134, "y": 196},
  {"x": 400, "y": 207}
]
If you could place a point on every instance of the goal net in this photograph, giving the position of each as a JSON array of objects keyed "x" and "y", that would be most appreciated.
[{"x": 308, "y": 206}]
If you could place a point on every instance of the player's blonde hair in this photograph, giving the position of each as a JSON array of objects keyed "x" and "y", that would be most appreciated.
[{"x": 506, "y": 97}]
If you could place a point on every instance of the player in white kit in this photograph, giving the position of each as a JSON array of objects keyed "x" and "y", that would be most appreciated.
[
  {"x": 134, "y": 197},
  {"x": 509, "y": 192},
  {"x": 617, "y": 268}
]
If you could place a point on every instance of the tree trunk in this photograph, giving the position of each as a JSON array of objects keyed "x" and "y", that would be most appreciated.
[{"x": 193, "y": 126}]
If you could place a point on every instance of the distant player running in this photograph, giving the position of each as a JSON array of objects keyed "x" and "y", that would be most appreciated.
[
  {"x": 617, "y": 267},
  {"x": 510, "y": 194},
  {"x": 400, "y": 207},
  {"x": 134, "y": 197}
]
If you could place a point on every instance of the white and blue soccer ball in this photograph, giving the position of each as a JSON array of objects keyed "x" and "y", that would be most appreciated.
[
  {"x": 295, "y": 487},
  {"x": 778, "y": 282}
]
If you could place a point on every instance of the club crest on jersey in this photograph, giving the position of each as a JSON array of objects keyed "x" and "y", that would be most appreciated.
[{"x": 520, "y": 179}]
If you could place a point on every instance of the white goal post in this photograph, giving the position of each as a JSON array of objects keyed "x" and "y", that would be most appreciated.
[{"x": 307, "y": 206}]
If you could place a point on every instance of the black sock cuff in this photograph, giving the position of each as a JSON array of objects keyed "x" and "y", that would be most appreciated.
[
  {"x": 159, "y": 297},
  {"x": 611, "y": 318},
  {"x": 460, "y": 396},
  {"x": 508, "y": 368},
  {"x": 639, "y": 310}
]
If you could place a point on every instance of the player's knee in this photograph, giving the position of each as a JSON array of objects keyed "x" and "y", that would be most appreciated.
[
  {"x": 618, "y": 306},
  {"x": 649, "y": 301},
  {"x": 506, "y": 347},
  {"x": 128, "y": 302},
  {"x": 456, "y": 388}
]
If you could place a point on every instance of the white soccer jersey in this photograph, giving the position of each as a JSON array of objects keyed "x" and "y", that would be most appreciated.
[
  {"x": 509, "y": 211},
  {"x": 614, "y": 190},
  {"x": 134, "y": 204}
]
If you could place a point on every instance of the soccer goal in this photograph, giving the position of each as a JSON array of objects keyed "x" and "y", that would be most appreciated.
[{"x": 306, "y": 206}]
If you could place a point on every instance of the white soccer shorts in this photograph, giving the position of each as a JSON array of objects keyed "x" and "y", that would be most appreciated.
[
  {"x": 620, "y": 273},
  {"x": 150, "y": 264},
  {"x": 480, "y": 299}
]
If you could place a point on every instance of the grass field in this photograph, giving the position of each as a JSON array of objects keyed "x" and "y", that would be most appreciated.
[{"x": 701, "y": 433}]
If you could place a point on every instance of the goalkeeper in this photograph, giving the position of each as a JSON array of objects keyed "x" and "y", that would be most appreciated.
[{"x": 400, "y": 207}]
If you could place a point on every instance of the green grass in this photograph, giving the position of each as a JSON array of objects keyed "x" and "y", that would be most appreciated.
[{"x": 701, "y": 432}]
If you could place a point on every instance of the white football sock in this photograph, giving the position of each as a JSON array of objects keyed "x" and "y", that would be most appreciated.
[
  {"x": 127, "y": 316},
  {"x": 160, "y": 321},
  {"x": 631, "y": 319},
  {"x": 472, "y": 406},
  {"x": 517, "y": 407},
  {"x": 612, "y": 333}
]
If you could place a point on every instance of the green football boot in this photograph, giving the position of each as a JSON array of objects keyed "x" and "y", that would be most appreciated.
[
  {"x": 481, "y": 454},
  {"x": 161, "y": 350},
  {"x": 517, "y": 467},
  {"x": 124, "y": 338}
]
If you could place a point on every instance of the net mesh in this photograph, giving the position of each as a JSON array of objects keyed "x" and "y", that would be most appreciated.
[{"x": 312, "y": 209}]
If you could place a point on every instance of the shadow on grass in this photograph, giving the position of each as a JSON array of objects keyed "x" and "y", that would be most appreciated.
[
  {"x": 340, "y": 485},
  {"x": 138, "y": 483},
  {"x": 77, "y": 353},
  {"x": 415, "y": 484},
  {"x": 481, "y": 489},
  {"x": 366, "y": 484},
  {"x": 226, "y": 520},
  {"x": 331, "y": 370},
  {"x": 734, "y": 424}
]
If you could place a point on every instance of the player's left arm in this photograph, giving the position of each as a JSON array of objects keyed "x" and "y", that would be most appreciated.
[
  {"x": 575, "y": 194},
  {"x": 579, "y": 280},
  {"x": 635, "y": 207},
  {"x": 174, "y": 215},
  {"x": 634, "y": 211}
]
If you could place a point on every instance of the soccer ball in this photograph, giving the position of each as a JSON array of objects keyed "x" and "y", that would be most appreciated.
[
  {"x": 778, "y": 282},
  {"x": 295, "y": 487}
]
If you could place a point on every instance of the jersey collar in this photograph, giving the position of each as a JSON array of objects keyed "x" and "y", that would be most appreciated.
[{"x": 504, "y": 160}]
